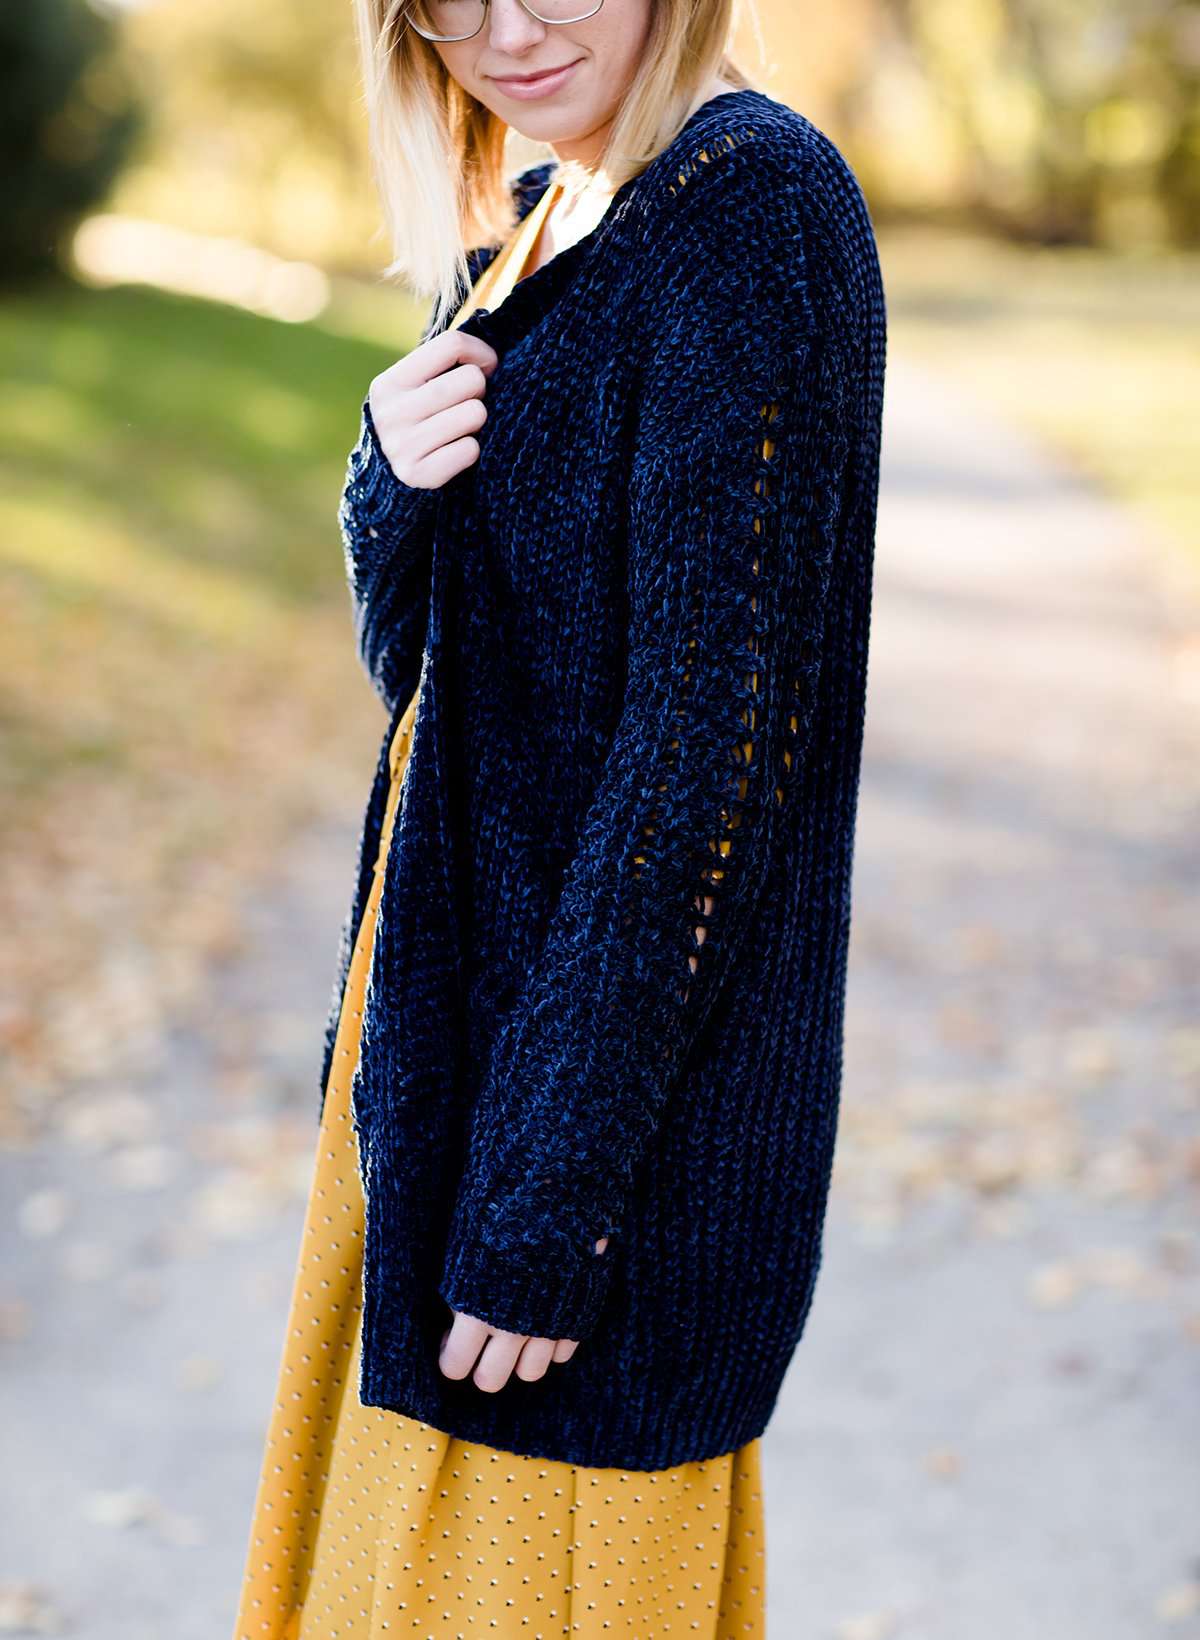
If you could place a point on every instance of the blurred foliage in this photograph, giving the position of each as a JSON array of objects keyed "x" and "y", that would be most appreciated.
[
  {"x": 68, "y": 119},
  {"x": 259, "y": 128},
  {"x": 1061, "y": 121}
]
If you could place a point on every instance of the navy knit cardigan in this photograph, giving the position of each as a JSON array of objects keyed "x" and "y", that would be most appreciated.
[{"x": 607, "y": 989}]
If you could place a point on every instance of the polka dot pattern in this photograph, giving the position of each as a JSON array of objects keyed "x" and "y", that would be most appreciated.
[{"x": 370, "y": 1524}]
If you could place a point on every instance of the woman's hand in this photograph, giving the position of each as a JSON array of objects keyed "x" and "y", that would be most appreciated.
[
  {"x": 428, "y": 406},
  {"x": 502, "y": 1351}
]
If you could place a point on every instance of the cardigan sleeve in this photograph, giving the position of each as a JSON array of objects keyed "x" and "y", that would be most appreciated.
[
  {"x": 387, "y": 525},
  {"x": 387, "y": 539},
  {"x": 734, "y": 503}
]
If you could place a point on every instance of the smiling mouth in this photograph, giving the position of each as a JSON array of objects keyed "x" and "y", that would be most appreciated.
[{"x": 532, "y": 79}]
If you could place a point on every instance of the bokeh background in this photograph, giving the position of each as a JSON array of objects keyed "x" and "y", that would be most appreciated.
[{"x": 987, "y": 1428}]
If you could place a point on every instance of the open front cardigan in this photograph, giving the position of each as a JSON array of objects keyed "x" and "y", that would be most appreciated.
[{"x": 606, "y": 996}]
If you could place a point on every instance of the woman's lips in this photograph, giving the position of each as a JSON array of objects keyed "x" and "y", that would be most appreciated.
[{"x": 542, "y": 85}]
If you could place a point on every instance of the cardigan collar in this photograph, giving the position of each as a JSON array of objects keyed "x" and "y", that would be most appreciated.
[
  {"x": 530, "y": 297},
  {"x": 537, "y": 292}
]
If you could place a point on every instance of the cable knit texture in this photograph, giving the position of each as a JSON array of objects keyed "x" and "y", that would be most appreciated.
[{"x": 609, "y": 971}]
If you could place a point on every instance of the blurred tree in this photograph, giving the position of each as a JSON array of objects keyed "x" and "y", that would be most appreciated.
[
  {"x": 259, "y": 129},
  {"x": 1062, "y": 121},
  {"x": 68, "y": 118}
]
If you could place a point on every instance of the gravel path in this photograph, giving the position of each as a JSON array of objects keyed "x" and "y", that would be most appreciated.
[{"x": 990, "y": 1427}]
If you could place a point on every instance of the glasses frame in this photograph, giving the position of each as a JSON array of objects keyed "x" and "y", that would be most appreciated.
[{"x": 552, "y": 22}]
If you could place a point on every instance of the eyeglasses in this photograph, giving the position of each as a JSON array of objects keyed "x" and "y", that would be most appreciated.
[{"x": 461, "y": 19}]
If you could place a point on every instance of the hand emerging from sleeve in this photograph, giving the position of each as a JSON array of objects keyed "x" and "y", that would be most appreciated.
[{"x": 489, "y": 1355}]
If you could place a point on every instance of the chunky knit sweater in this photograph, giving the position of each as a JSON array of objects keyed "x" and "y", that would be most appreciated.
[{"x": 609, "y": 966}]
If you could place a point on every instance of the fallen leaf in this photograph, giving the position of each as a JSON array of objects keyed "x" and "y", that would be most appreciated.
[
  {"x": 1179, "y": 1602},
  {"x": 1054, "y": 1285},
  {"x": 25, "y": 1608},
  {"x": 130, "y": 1506}
]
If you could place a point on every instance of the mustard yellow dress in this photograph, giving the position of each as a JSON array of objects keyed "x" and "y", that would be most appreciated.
[{"x": 369, "y": 1524}]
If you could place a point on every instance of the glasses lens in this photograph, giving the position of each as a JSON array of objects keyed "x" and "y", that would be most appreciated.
[
  {"x": 563, "y": 11},
  {"x": 451, "y": 19},
  {"x": 459, "y": 19}
]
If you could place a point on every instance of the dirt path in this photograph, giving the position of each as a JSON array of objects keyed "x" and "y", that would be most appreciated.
[{"x": 986, "y": 1431}]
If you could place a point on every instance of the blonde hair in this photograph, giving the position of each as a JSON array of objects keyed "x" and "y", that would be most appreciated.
[{"x": 438, "y": 155}]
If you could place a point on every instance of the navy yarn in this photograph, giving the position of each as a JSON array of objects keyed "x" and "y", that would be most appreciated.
[{"x": 639, "y": 628}]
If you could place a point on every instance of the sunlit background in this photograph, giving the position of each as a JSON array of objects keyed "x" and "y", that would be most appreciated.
[{"x": 190, "y": 247}]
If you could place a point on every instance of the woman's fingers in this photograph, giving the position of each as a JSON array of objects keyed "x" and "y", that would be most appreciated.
[
  {"x": 427, "y": 405},
  {"x": 428, "y": 443},
  {"x": 424, "y": 450},
  {"x": 499, "y": 1357},
  {"x": 472, "y": 1344},
  {"x": 462, "y": 1344},
  {"x": 466, "y": 381},
  {"x": 420, "y": 421},
  {"x": 438, "y": 354},
  {"x": 469, "y": 1343},
  {"x": 536, "y": 1356}
]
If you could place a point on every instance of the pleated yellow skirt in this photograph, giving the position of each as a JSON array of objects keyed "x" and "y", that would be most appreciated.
[{"x": 369, "y": 1523}]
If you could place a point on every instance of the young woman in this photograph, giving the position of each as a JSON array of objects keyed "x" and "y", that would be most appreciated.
[{"x": 609, "y": 532}]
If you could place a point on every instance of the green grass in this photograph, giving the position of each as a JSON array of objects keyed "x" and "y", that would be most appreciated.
[
  {"x": 1098, "y": 354},
  {"x": 214, "y": 435},
  {"x": 168, "y": 492}
]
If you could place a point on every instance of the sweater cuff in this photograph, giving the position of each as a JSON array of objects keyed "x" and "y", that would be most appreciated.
[
  {"x": 381, "y": 500},
  {"x": 539, "y": 1294}
]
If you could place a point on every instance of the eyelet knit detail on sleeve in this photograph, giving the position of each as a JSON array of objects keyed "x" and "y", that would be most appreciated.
[{"x": 739, "y": 458}]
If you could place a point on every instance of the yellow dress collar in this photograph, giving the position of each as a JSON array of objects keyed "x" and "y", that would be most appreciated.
[{"x": 506, "y": 268}]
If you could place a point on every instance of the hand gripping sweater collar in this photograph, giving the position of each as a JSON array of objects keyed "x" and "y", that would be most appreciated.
[{"x": 607, "y": 990}]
